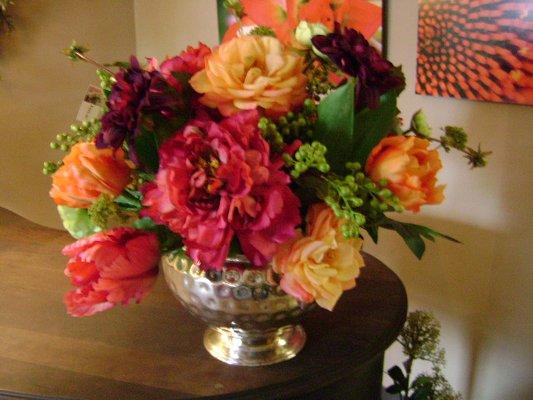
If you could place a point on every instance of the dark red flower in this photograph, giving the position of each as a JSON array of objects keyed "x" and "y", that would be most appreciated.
[
  {"x": 352, "y": 53},
  {"x": 217, "y": 181}
]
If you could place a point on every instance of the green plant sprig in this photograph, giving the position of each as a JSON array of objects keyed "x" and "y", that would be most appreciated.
[
  {"x": 76, "y": 52},
  {"x": 290, "y": 126},
  {"x": 454, "y": 137},
  {"x": 358, "y": 200},
  {"x": 85, "y": 131},
  {"x": 420, "y": 340}
]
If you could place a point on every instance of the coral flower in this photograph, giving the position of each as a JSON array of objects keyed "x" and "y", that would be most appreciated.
[
  {"x": 283, "y": 16},
  {"x": 86, "y": 173},
  {"x": 250, "y": 72},
  {"x": 216, "y": 181},
  {"x": 410, "y": 169},
  {"x": 118, "y": 266},
  {"x": 320, "y": 266}
]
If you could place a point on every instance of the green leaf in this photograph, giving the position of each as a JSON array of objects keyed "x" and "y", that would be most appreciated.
[
  {"x": 414, "y": 235},
  {"x": 372, "y": 231},
  {"x": 335, "y": 125},
  {"x": 129, "y": 200},
  {"x": 372, "y": 125},
  {"x": 77, "y": 221},
  {"x": 351, "y": 136},
  {"x": 394, "y": 389},
  {"x": 398, "y": 377},
  {"x": 146, "y": 146},
  {"x": 168, "y": 240}
]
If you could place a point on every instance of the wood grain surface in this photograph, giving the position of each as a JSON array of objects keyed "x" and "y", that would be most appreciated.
[{"x": 154, "y": 350}]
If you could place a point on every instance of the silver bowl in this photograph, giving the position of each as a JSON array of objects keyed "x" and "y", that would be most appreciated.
[{"x": 251, "y": 320}]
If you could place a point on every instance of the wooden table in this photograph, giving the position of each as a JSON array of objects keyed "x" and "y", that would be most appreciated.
[{"x": 154, "y": 350}]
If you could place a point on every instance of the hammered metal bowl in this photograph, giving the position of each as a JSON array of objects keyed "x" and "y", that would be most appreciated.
[{"x": 251, "y": 320}]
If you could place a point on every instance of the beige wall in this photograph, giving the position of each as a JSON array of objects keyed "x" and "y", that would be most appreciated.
[
  {"x": 480, "y": 290},
  {"x": 166, "y": 27},
  {"x": 40, "y": 90}
]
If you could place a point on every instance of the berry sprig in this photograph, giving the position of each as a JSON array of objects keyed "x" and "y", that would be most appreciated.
[
  {"x": 290, "y": 126},
  {"x": 309, "y": 155},
  {"x": 358, "y": 200}
]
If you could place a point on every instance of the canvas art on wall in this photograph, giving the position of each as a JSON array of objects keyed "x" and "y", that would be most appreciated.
[
  {"x": 367, "y": 15},
  {"x": 476, "y": 49}
]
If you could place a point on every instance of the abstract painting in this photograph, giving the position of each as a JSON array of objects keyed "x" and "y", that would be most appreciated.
[
  {"x": 476, "y": 49},
  {"x": 368, "y": 13}
]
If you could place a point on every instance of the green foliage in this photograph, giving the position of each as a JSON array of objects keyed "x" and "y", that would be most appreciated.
[
  {"x": 107, "y": 80},
  {"x": 77, "y": 221},
  {"x": 147, "y": 147},
  {"x": 234, "y": 6},
  {"x": 420, "y": 125},
  {"x": 289, "y": 127},
  {"x": 168, "y": 240},
  {"x": 104, "y": 213},
  {"x": 130, "y": 200},
  {"x": 75, "y": 51},
  {"x": 79, "y": 132},
  {"x": 262, "y": 31},
  {"x": 454, "y": 137},
  {"x": 420, "y": 339},
  {"x": 309, "y": 155},
  {"x": 477, "y": 158},
  {"x": 353, "y": 134},
  {"x": 412, "y": 234}
]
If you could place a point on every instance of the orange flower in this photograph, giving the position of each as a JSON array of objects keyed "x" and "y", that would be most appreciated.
[
  {"x": 320, "y": 266},
  {"x": 250, "y": 72},
  {"x": 88, "y": 172},
  {"x": 410, "y": 169},
  {"x": 283, "y": 16}
]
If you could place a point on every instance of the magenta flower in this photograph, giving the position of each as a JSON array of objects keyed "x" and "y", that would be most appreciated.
[
  {"x": 109, "y": 268},
  {"x": 216, "y": 181}
]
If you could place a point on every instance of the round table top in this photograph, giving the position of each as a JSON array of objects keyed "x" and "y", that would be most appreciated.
[{"x": 154, "y": 349}]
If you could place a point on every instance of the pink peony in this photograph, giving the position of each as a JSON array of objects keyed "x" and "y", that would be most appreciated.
[
  {"x": 216, "y": 180},
  {"x": 109, "y": 268},
  {"x": 190, "y": 61}
]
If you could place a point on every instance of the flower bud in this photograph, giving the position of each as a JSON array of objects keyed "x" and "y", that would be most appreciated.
[
  {"x": 420, "y": 125},
  {"x": 306, "y": 30}
]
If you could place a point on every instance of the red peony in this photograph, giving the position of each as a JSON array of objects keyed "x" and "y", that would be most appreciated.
[
  {"x": 109, "y": 268},
  {"x": 216, "y": 180}
]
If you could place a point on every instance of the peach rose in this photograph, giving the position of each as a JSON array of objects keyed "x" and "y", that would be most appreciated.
[
  {"x": 320, "y": 266},
  {"x": 88, "y": 172},
  {"x": 410, "y": 169},
  {"x": 249, "y": 72}
]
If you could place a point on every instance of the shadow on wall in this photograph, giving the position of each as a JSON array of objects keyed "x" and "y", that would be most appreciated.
[{"x": 453, "y": 281}]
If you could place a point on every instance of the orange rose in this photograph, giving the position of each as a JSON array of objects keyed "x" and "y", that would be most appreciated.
[
  {"x": 410, "y": 169},
  {"x": 88, "y": 172},
  {"x": 249, "y": 72},
  {"x": 320, "y": 266}
]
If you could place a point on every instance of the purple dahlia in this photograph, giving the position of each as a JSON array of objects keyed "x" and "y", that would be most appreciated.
[
  {"x": 352, "y": 53},
  {"x": 137, "y": 99}
]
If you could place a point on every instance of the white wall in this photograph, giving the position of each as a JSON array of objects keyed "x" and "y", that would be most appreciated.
[{"x": 40, "y": 90}]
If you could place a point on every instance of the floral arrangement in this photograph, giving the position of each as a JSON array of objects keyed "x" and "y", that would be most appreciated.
[{"x": 284, "y": 144}]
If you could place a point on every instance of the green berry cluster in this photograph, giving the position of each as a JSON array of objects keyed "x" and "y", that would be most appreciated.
[
  {"x": 309, "y": 155},
  {"x": 82, "y": 132},
  {"x": 290, "y": 126},
  {"x": 103, "y": 210},
  {"x": 357, "y": 199},
  {"x": 50, "y": 167},
  {"x": 107, "y": 80}
]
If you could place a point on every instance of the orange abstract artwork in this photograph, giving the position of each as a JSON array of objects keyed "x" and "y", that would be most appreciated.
[{"x": 476, "y": 49}]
